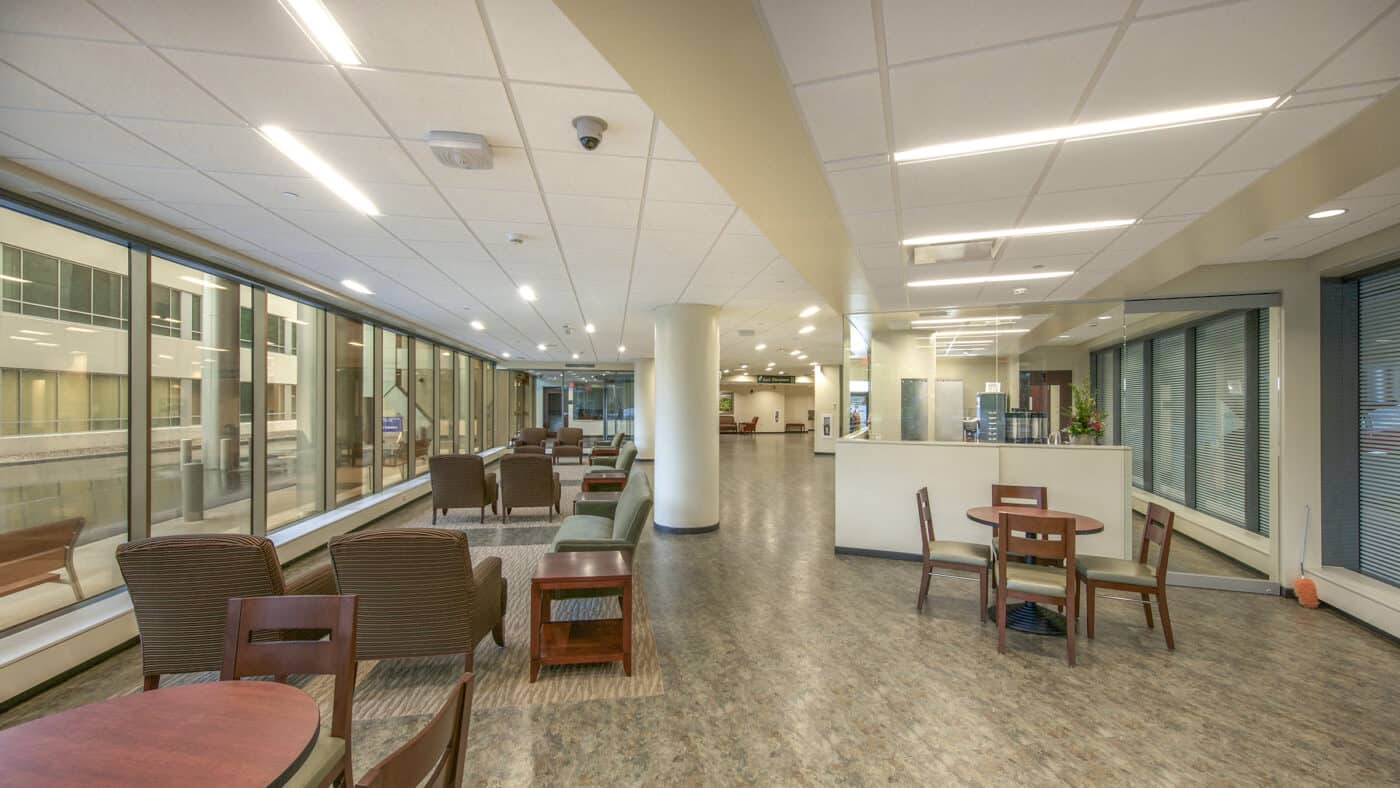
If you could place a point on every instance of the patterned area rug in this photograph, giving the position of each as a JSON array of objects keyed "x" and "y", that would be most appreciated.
[{"x": 409, "y": 687}]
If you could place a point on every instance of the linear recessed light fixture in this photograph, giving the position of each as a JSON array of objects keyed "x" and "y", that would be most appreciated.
[
  {"x": 208, "y": 349},
  {"x": 806, "y": 329},
  {"x": 1019, "y": 232},
  {"x": 33, "y": 332},
  {"x": 527, "y": 292},
  {"x": 809, "y": 311},
  {"x": 317, "y": 167},
  {"x": 478, "y": 325},
  {"x": 24, "y": 339},
  {"x": 953, "y": 336},
  {"x": 964, "y": 321},
  {"x": 351, "y": 284},
  {"x": 984, "y": 280},
  {"x": 320, "y": 26},
  {"x": 1327, "y": 213},
  {"x": 81, "y": 330},
  {"x": 1153, "y": 121}
]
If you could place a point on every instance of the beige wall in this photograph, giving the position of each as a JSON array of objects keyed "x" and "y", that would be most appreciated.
[{"x": 788, "y": 402}]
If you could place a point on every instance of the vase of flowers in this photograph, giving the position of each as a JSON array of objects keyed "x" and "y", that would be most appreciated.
[{"x": 1085, "y": 423}]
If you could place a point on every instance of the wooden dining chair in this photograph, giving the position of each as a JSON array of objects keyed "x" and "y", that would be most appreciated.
[
  {"x": 1146, "y": 578},
  {"x": 1039, "y": 537},
  {"x": 954, "y": 556},
  {"x": 1020, "y": 495},
  {"x": 435, "y": 756},
  {"x": 278, "y": 635}
]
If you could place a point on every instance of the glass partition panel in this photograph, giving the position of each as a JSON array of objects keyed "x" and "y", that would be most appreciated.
[
  {"x": 475, "y": 404},
  {"x": 423, "y": 376},
  {"x": 296, "y": 351},
  {"x": 201, "y": 471},
  {"x": 394, "y": 438},
  {"x": 63, "y": 411},
  {"x": 464, "y": 404},
  {"x": 355, "y": 430},
  {"x": 488, "y": 404},
  {"x": 445, "y": 399}
]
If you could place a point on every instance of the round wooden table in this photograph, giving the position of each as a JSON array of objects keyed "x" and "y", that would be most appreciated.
[
  {"x": 227, "y": 733},
  {"x": 1028, "y": 616}
]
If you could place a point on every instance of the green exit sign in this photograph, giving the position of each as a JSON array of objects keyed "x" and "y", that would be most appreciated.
[{"x": 776, "y": 379}]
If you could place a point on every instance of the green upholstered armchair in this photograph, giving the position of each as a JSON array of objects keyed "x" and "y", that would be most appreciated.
[
  {"x": 622, "y": 462},
  {"x": 607, "y": 525}
]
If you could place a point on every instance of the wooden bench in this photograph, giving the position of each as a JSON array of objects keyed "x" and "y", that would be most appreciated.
[
  {"x": 727, "y": 425},
  {"x": 33, "y": 556},
  {"x": 795, "y": 426}
]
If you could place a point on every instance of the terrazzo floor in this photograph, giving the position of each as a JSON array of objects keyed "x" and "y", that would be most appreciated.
[{"x": 786, "y": 664}]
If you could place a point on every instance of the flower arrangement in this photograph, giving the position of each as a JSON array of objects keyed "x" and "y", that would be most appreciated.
[{"x": 1085, "y": 423}]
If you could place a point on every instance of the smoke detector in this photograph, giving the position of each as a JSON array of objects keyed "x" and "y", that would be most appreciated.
[
  {"x": 515, "y": 239},
  {"x": 460, "y": 149}
]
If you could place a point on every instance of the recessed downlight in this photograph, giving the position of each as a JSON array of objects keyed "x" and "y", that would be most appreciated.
[
  {"x": 541, "y": 346},
  {"x": 527, "y": 292},
  {"x": 590, "y": 328},
  {"x": 809, "y": 311},
  {"x": 478, "y": 325},
  {"x": 317, "y": 167},
  {"x": 505, "y": 354},
  {"x": 1327, "y": 213},
  {"x": 806, "y": 329},
  {"x": 575, "y": 357},
  {"x": 351, "y": 284},
  {"x": 760, "y": 346},
  {"x": 622, "y": 348},
  {"x": 795, "y": 353},
  {"x": 1105, "y": 317}
]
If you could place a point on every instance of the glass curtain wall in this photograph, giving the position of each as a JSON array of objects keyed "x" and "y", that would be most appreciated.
[
  {"x": 464, "y": 404},
  {"x": 355, "y": 429},
  {"x": 445, "y": 379},
  {"x": 423, "y": 429},
  {"x": 394, "y": 438},
  {"x": 474, "y": 406},
  {"x": 488, "y": 403},
  {"x": 201, "y": 438},
  {"x": 63, "y": 378},
  {"x": 296, "y": 442}
]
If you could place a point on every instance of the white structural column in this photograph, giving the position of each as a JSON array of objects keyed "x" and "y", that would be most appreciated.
[
  {"x": 826, "y": 401},
  {"x": 687, "y": 404},
  {"x": 644, "y": 408}
]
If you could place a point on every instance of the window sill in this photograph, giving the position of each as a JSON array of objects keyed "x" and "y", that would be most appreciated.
[{"x": 1366, "y": 598}]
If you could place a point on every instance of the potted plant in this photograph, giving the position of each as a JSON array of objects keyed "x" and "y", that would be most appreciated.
[{"x": 1085, "y": 423}]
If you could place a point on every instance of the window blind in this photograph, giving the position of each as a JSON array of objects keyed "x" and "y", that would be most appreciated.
[
  {"x": 1132, "y": 409},
  {"x": 1379, "y": 368},
  {"x": 1169, "y": 416},
  {"x": 1266, "y": 393},
  {"x": 1220, "y": 418},
  {"x": 1107, "y": 392}
]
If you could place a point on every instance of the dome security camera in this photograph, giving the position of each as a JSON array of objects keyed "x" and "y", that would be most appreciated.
[{"x": 590, "y": 131}]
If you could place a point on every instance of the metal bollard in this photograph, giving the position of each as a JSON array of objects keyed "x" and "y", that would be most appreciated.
[
  {"x": 228, "y": 452},
  {"x": 192, "y": 491},
  {"x": 186, "y": 450}
]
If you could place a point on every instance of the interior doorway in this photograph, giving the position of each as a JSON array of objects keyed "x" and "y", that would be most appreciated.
[
  {"x": 554, "y": 418},
  {"x": 1049, "y": 392}
]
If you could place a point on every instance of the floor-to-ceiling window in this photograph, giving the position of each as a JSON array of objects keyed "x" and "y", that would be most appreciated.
[
  {"x": 488, "y": 405},
  {"x": 395, "y": 438},
  {"x": 296, "y": 368},
  {"x": 1377, "y": 531},
  {"x": 445, "y": 378},
  {"x": 63, "y": 416},
  {"x": 355, "y": 430},
  {"x": 475, "y": 404},
  {"x": 423, "y": 429},
  {"x": 463, "y": 421},
  {"x": 201, "y": 469}
]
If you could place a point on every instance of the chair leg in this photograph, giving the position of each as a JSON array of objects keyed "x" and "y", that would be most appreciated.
[
  {"x": 923, "y": 590},
  {"x": 483, "y": 513},
  {"x": 434, "y": 515},
  {"x": 1147, "y": 608},
  {"x": 1089, "y": 592},
  {"x": 470, "y": 658},
  {"x": 1166, "y": 620},
  {"x": 982, "y": 595},
  {"x": 498, "y": 632},
  {"x": 1001, "y": 622},
  {"x": 149, "y": 683},
  {"x": 1069, "y": 639}
]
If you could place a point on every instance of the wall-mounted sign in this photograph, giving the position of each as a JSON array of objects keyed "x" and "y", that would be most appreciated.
[
  {"x": 393, "y": 423},
  {"x": 777, "y": 379}
]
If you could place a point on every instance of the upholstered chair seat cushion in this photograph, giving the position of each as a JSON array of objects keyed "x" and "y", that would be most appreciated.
[
  {"x": 1035, "y": 579},
  {"x": 324, "y": 759},
  {"x": 967, "y": 553},
  {"x": 579, "y": 530},
  {"x": 1115, "y": 570},
  {"x": 601, "y": 529}
]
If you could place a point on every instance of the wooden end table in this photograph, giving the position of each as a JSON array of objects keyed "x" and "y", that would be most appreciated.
[
  {"x": 596, "y": 497},
  {"x": 599, "y": 481},
  {"x": 573, "y": 642}
]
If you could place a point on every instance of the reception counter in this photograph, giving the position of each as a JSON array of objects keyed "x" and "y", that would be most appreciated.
[{"x": 876, "y": 481}]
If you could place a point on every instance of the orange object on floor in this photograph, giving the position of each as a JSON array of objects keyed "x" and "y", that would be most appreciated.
[{"x": 1306, "y": 590}]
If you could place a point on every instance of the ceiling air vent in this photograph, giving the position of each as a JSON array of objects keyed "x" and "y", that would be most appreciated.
[
  {"x": 581, "y": 366},
  {"x": 963, "y": 252},
  {"x": 460, "y": 149},
  {"x": 746, "y": 332}
]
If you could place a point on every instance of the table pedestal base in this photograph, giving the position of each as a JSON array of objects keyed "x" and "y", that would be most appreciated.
[{"x": 1032, "y": 618}]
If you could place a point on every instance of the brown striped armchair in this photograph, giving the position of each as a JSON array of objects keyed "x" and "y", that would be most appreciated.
[
  {"x": 180, "y": 587},
  {"x": 461, "y": 480},
  {"x": 529, "y": 480},
  {"x": 419, "y": 593},
  {"x": 569, "y": 444}
]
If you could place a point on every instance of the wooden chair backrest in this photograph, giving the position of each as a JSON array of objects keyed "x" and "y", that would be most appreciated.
[
  {"x": 1158, "y": 531},
  {"x": 925, "y": 518},
  {"x": 295, "y": 620},
  {"x": 1054, "y": 539},
  {"x": 26, "y": 552},
  {"x": 1020, "y": 495},
  {"x": 435, "y": 756}
]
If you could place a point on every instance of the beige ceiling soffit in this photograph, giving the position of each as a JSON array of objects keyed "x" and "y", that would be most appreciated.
[
  {"x": 710, "y": 72},
  {"x": 1350, "y": 156},
  {"x": 1358, "y": 255},
  {"x": 63, "y": 197}
]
